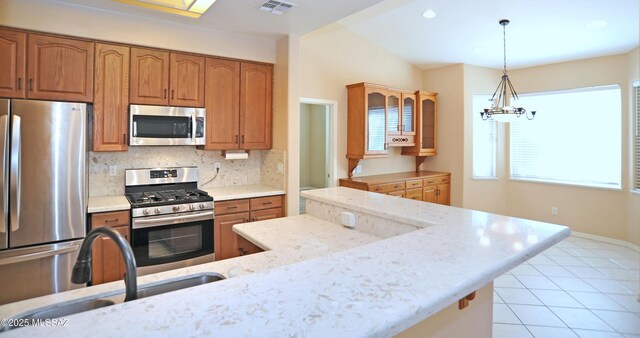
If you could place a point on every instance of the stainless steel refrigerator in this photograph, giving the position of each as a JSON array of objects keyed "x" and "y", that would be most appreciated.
[{"x": 43, "y": 195}]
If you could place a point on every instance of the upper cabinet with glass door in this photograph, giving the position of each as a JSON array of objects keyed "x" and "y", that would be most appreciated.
[
  {"x": 425, "y": 132},
  {"x": 401, "y": 108}
]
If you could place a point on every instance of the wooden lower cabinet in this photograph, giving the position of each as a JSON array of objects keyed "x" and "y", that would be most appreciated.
[
  {"x": 427, "y": 186},
  {"x": 228, "y": 244},
  {"x": 107, "y": 263}
]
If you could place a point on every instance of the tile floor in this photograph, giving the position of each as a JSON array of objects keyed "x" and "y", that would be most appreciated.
[{"x": 578, "y": 288}]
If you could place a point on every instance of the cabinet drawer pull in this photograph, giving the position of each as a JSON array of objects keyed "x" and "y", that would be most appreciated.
[
  {"x": 19, "y": 83},
  {"x": 267, "y": 203},
  {"x": 113, "y": 220},
  {"x": 233, "y": 207},
  {"x": 31, "y": 84}
]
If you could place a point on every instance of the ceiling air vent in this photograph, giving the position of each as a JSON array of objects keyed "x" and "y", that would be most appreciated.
[{"x": 276, "y": 7}]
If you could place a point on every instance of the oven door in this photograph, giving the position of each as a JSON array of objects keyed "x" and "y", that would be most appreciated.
[{"x": 160, "y": 240}]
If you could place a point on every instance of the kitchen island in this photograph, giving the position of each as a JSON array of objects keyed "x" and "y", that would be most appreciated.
[{"x": 404, "y": 262}]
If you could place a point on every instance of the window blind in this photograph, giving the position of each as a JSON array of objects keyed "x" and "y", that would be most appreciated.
[
  {"x": 636, "y": 158},
  {"x": 574, "y": 139},
  {"x": 485, "y": 143}
]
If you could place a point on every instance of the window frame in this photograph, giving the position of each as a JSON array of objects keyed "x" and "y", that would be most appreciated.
[{"x": 635, "y": 136}]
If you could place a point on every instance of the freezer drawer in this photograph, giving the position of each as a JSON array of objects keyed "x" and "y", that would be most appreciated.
[{"x": 37, "y": 271}]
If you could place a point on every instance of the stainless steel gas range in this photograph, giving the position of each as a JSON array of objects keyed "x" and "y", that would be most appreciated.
[{"x": 171, "y": 219}]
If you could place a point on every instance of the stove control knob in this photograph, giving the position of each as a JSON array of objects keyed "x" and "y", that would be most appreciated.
[
  {"x": 176, "y": 208},
  {"x": 192, "y": 207},
  {"x": 201, "y": 205},
  {"x": 145, "y": 211},
  {"x": 157, "y": 211}
]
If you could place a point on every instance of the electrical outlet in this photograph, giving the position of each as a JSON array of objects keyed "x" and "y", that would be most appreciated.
[
  {"x": 280, "y": 168},
  {"x": 113, "y": 170},
  {"x": 554, "y": 211},
  {"x": 216, "y": 166},
  {"x": 358, "y": 169},
  {"x": 348, "y": 219}
]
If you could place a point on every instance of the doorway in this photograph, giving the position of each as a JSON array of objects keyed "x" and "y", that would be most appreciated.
[{"x": 317, "y": 145}]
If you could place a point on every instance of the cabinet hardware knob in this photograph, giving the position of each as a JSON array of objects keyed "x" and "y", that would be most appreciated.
[
  {"x": 31, "y": 84},
  {"x": 19, "y": 83}
]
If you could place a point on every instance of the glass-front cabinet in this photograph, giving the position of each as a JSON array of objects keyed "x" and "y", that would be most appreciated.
[
  {"x": 376, "y": 118},
  {"x": 401, "y": 108},
  {"x": 425, "y": 144}
]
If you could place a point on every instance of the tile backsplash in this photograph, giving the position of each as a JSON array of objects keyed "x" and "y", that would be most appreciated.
[{"x": 232, "y": 172}]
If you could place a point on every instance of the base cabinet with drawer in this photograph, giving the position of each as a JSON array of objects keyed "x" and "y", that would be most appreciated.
[
  {"x": 107, "y": 263},
  {"x": 427, "y": 186},
  {"x": 228, "y": 244}
]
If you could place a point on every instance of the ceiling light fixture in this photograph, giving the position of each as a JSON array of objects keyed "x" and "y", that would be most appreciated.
[
  {"x": 429, "y": 14},
  {"x": 501, "y": 109},
  {"x": 190, "y": 8}
]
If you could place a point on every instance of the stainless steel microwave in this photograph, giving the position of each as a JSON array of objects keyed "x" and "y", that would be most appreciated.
[{"x": 166, "y": 126}]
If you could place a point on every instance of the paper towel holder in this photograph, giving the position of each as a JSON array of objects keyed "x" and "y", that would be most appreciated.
[{"x": 235, "y": 154}]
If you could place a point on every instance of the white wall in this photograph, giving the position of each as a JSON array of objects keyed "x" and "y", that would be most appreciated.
[
  {"x": 80, "y": 21},
  {"x": 334, "y": 57}
]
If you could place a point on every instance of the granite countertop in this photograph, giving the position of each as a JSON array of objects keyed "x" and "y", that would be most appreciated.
[
  {"x": 319, "y": 279},
  {"x": 107, "y": 203},
  {"x": 242, "y": 191}
]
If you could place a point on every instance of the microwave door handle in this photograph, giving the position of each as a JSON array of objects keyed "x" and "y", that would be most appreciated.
[{"x": 194, "y": 128}]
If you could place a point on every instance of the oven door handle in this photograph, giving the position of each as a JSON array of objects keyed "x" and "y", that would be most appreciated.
[{"x": 175, "y": 219}]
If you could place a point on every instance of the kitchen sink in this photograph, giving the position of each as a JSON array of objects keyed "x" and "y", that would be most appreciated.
[
  {"x": 187, "y": 282},
  {"x": 69, "y": 308}
]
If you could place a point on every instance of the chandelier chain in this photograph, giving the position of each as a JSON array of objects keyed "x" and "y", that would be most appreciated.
[{"x": 504, "y": 44}]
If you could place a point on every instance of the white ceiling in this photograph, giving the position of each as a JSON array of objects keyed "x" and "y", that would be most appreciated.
[
  {"x": 541, "y": 31},
  {"x": 243, "y": 15}
]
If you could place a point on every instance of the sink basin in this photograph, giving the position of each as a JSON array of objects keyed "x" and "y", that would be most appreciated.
[
  {"x": 147, "y": 291},
  {"x": 57, "y": 311},
  {"x": 66, "y": 309}
]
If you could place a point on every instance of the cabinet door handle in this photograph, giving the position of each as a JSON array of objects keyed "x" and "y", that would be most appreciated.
[
  {"x": 19, "y": 83},
  {"x": 172, "y": 93},
  {"x": 165, "y": 93},
  {"x": 124, "y": 138},
  {"x": 237, "y": 140},
  {"x": 242, "y": 139},
  {"x": 31, "y": 84},
  {"x": 242, "y": 251}
]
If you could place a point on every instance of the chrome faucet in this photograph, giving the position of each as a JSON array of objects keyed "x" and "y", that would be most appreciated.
[{"x": 82, "y": 268}]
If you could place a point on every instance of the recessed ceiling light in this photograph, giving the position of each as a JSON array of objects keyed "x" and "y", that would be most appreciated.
[
  {"x": 429, "y": 14},
  {"x": 597, "y": 24},
  {"x": 190, "y": 8}
]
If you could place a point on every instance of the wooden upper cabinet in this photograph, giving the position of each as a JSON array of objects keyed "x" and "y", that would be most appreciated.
[
  {"x": 59, "y": 68},
  {"x": 13, "y": 49},
  {"x": 149, "y": 77},
  {"x": 186, "y": 80},
  {"x": 163, "y": 78},
  {"x": 111, "y": 99},
  {"x": 426, "y": 123},
  {"x": 222, "y": 101},
  {"x": 255, "y": 105}
]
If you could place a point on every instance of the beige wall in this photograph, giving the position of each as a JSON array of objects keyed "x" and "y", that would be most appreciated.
[
  {"x": 334, "y": 57},
  {"x": 63, "y": 18},
  {"x": 448, "y": 82},
  {"x": 595, "y": 211},
  {"x": 482, "y": 194}
]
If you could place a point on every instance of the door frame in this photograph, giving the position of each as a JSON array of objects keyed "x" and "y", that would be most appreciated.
[{"x": 332, "y": 125}]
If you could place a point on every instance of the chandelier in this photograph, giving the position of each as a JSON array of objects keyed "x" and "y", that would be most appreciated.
[{"x": 501, "y": 109}]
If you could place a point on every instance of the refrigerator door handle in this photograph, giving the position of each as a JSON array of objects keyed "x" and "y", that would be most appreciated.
[
  {"x": 4, "y": 187},
  {"x": 15, "y": 181},
  {"x": 18, "y": 258}
]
